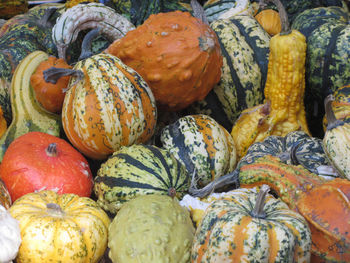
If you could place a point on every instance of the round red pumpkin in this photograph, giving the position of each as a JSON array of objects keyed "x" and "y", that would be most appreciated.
[{"x": 36, "y": 161}]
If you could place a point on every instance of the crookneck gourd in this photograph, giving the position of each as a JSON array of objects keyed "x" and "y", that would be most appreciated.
[
  {"x": 324, "y": 204},
  {"x": 283, "y": 110}
]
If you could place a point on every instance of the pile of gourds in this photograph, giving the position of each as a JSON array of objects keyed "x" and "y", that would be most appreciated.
[{"x": 175, "y": 131}]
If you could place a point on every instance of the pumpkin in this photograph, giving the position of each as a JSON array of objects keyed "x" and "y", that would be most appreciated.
[
  {"x": 283, "y": 110},
  {"x": 245, "y": 50},
  {"x": 42, "y": 161},
  {"x": 177, "y": 54},
  {"x": 5, "y": 198},
  {"x": 336, "y": 140},
  {"x": 139, "y": 170},
  {"x": 270, "y": 20},
  {"x": 10, "y": 236},
  {"x": 152, "y": 228},
  {"x": 327, "y": 61},
  {"x": 138, "y": 11},
  {"x": 109, "y": 107},
  {"x": 223, "y": 9},
  {"x": 328, "y": 218},
  {"x": 12, "y": 8},
  {"x": 50, "y": 95},
  {"x": 251, "y": 227},
  {"x": 202, "y": 145},
  {"x": 60, "y": 228}
]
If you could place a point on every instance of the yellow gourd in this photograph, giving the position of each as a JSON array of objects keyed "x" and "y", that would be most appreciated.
[{"x": 283, "y": 111}]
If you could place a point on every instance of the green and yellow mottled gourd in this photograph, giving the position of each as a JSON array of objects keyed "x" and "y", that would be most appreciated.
[
  {"x": 28, "y": 115},
  {"x": 139, "y": 170},
  {"x": 251, "y": 227},
  {"x": 284, "y": 92},
  {"x": 219, "y": 9},
  {"x": 152, "y": 228}
]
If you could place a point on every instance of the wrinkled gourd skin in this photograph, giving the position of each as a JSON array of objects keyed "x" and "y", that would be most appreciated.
[{"x": 284, "y": 94}]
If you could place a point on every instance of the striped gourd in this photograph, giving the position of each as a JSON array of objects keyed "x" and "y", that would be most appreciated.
[
  {"x": 222, "y": 9},
  {"x": 112, "y": 106},
  {"x": 28, "y": 115},
  {"x": 139, "y": 170},
  {"x": 251, "y": 227},
  {"x": 245, "y": 49},
  {"x": 202, "y": 145}
]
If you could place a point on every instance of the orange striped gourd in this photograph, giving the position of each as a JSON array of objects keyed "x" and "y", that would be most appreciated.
[{"x": 110, "y": 107}]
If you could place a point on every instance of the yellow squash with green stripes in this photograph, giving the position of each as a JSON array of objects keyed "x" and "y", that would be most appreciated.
[{"x": 28, "y": 115}]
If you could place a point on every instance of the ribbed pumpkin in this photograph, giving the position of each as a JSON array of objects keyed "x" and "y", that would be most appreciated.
[
  {"x": 112, "y": 106},
  {"x": 251, "y": 227},
  {"x": 177, "y": 54},
  {"x": 139, "y": 170},
  {"x": 5, "y": 198},
  {"x": 202, "y": 145},
  {"x": 60, "y": 228},
  {"x": 245, "y": 49}
]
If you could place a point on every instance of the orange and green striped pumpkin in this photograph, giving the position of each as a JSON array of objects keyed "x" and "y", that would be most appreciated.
[
  {"x": 251, "y": 227},
  {"x": 112, "y": 106},
  {"x": 202, "y": 145}
]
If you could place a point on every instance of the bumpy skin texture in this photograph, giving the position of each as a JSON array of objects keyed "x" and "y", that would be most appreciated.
[
  {"x": 178, "y": 56},
  {"x": 229, "y": 233},
  {"x": 112, "y": 106},
  {"x": 60, "y": 228},
  {"x": 152, "y": 228}
]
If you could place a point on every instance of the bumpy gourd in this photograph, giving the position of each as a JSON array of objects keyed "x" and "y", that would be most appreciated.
[
  {"x": 284, "y": 92},
  {"x": 177, "y": 54},
  {"x": 152, "y": 228}
]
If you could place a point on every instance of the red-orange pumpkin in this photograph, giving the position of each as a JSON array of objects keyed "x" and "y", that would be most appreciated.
[
  {"x": 50, "y": 95},
  {"x": 37, "y": 161},
  {"x": 178, "y": 55}
]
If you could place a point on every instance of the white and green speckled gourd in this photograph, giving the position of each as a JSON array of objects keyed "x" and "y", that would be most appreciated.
[{"x": 151, "y": 228}]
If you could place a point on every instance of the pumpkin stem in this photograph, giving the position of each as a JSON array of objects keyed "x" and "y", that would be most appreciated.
[
  {"x": 228, "y": 179},
  {"x": 54, "y": 209},
  {"x": 331, "y": 119},
  {"x": 53, "y": 74},
  {"x": 51, "y": 150},
  {"x": 87, "y": 43},
  {"x": 282, "y": 13},
  {"x": 198, "y": 11},
  {"x": 258, "y": 210}
]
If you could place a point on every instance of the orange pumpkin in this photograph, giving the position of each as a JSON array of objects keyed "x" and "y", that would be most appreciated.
[
  {"x": 270, "y": 20},
  {"x": 50, "y": 94},
  {"x": 178, "y": 55}
]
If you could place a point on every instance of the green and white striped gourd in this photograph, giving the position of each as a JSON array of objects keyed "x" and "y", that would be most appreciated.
[
  {"x": 139, "y": 170},
  {"x": 223, "y": 9},
  {"x": 202, "y": 145},
  {"x": 251, "y": 227},
  {"x": 245, "y": 50}
]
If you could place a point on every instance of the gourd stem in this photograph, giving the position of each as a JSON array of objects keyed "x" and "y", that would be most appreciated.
[
  {"x": 331, "y": 119},
  {"x": 258, "y": 210},
  {"x": 53, "y": 74},
  {"x": 87, "y": 43},
  {"x": 51, "y": 150},
  {"x": 228, "y": 179},
  {"x": 55, "y": 208},
  {"x": 282, "y": 13},
  {"x": 198, "y": 11}
]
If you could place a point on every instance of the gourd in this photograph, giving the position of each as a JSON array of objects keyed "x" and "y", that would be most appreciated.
[
  {"x": 108, "y": 106},
  {"x": 177, "y": 54},
  {"x": 270, "y": 20},
  {"x": 12, "y": 8},
  {"x": 10, "y": 236},
  {"x": 86, "y": 16},
  {"x": 152, "y": 228},
  {"x": 251, "y": 227},
  {"x": 42, "y": 161},
  {"x": 336, "y": 140},
  {"x": 202, "y": 145},
  {"x": 139, "y": 170},
  {"x": 328, "y": 218},
  {"x": 60, "y": 228},
  {"x": 221, "y": 9},
  {"x": 71, "y": 3},
  {"x": 50, "y": 95},
  {"x": 28, "y": 115},
  {"x": 283, "y": 110},
  {"x": 5, "y": 198},
  {"x": 245, "y": 50}
]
